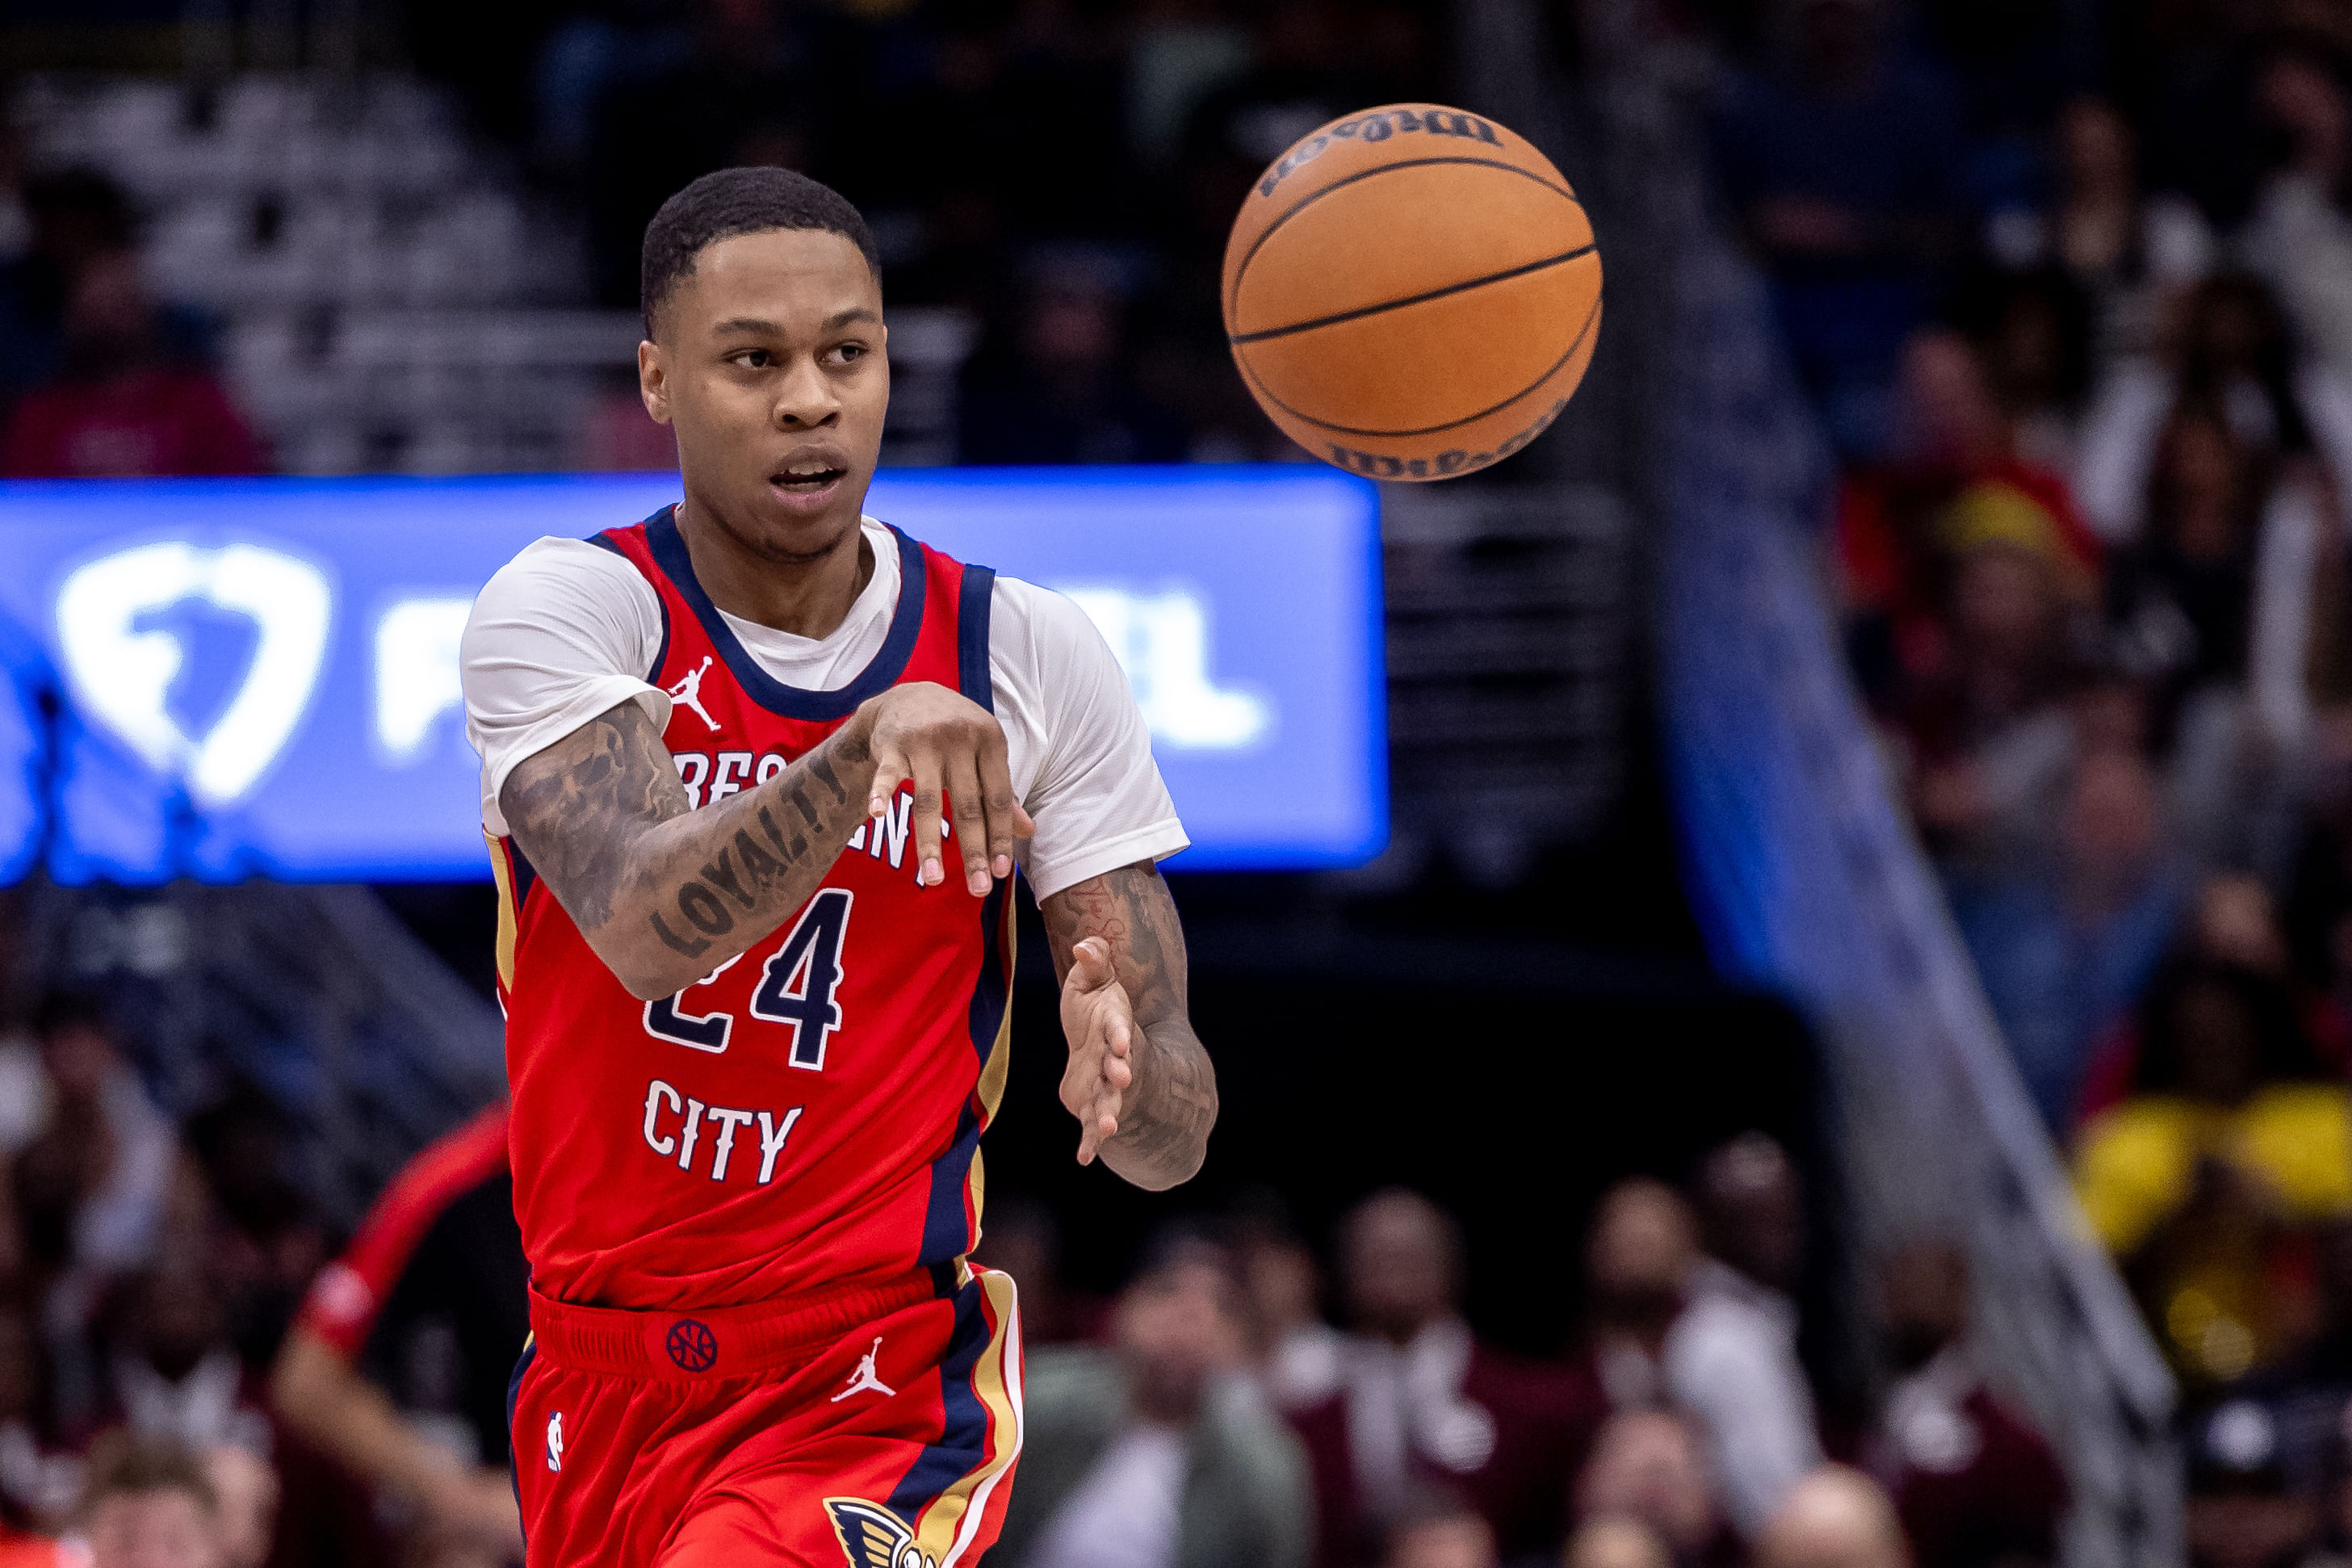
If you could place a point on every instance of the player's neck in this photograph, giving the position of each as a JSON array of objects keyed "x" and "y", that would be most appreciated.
[{"x": 809, "y": 597}]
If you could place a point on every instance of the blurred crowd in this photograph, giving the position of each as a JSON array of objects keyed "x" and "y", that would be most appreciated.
[
  {"x": 1213, "y": 1413},
  {"x": 193, "y": 1358},
  {"x": 2076, "y": 308},
  {"x": 1059, "y": 177}
]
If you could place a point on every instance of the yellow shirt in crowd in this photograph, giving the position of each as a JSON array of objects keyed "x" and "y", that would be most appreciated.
[{"x": 2138, "y": 1161}]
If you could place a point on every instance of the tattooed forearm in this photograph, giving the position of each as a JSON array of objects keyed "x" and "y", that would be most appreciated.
[
  {"x": 1168, "y": 1111},
  {"x": 663, "y": 893}
]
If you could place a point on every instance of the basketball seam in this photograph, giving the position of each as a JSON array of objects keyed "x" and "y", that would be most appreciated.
[
  {"x": 1553, "y": 369},
  {"x": 1233, "y": 302},
  {"x": 1360, "y": 312}
]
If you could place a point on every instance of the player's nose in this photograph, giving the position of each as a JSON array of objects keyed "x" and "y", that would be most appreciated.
[{"x": 806, "y": 399}]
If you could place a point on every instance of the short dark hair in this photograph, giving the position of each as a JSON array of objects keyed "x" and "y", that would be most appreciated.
[
  {"x": 740, "y": 201},
  {"x": 123, "y": 1463}
]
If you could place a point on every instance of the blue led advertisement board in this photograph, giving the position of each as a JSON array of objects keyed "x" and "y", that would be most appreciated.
[{"x": 225, "y": 678}]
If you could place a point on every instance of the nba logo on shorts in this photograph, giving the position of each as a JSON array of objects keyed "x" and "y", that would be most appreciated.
[{"x": 555, "y": 1441}]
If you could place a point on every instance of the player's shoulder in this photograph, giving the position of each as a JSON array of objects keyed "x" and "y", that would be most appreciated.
[
  {"x": 1023, "y": 612},
  {"x": 557, "y": 574}
]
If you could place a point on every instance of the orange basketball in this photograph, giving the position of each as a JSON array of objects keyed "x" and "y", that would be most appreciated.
[{"x": 1412, "y": 292}]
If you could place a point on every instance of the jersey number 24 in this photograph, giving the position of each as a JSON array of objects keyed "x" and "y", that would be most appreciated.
[{"x": 795, "y": 990}]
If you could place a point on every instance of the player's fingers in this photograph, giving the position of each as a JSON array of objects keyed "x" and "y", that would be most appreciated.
[
  {"x": 926, "y": 776},
  {"x": 1090, "y": 968},
  {"x": 889, "y": 773},
  {"x": 1117, "y": 1071},
  {"x": 1006, "y": 820},
  {"x": 972, "y": 839}
]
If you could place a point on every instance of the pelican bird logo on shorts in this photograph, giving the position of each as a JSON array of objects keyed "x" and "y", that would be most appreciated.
[{"x": 873, "y": 1537}]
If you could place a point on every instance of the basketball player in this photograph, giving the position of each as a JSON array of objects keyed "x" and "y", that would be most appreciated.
[{"x": 756, "y": 772}]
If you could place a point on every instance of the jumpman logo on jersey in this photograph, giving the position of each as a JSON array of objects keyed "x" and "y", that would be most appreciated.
[
  {"x": 863, "y": 1380},
  {"x": 555, "y": 1441},
  {"x": 688, "y": 691}
]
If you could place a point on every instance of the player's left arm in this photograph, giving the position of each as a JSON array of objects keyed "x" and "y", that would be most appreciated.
[{"x": 1139, "y": 1080}]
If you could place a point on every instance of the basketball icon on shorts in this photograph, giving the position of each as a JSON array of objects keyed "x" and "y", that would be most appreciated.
[
  {"x": 872, "y": 1536},
  {"x": 692, "y": 1345}
]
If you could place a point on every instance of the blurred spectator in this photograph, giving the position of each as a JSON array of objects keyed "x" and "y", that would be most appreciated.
[
  {"x": 1160, "y": 1450},
  {"x": 1298, "y": 1352},
  {"x": 150, "y": 1503},
  {"x": 73, "y": 217},
  {"x": 1987, "y": 734},
  {"x": 119, "y": 406},
  {"x": 1062, "y": 389},
  {"x": 1840, "y": 165},
  {"x": 2300, "y": 238},
  {"x": 2245, "y": 1509},
  {"x": 92, "y": 1190},
  {"x": 1616, "y": 1543},
  {"x": 1422, "y": 1400},
  {"x": 2128, "y": 255},
  {"x": 1639, "y": 1253},
  {"x": 1731, "y": 1358},
  {"x": 1974, "y": 1482},
  {"x": 1834, "y": 1518},
  {"x": 1437, "y": 1529},
  {"x": 1955, "y": 483},
  {"x": 432, "y": 1300},
  {"x": 2233, "y": 356},
  {"x": 2034, "y": 333},
  {"x": 1647, "y": 1470},
  {"x": 1025, "y": 1241},
  {"x": 2199, "y": 1181},
  {"x": 2064, "y": 943},
  {"x": 174, "y": 1372}
]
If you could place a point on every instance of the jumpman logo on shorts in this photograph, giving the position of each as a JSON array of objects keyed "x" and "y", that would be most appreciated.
[
  {"x": 688, "y": 691},
  {"x": 863, "y": 1380}
]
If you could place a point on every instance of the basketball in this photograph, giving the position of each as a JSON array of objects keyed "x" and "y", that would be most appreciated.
[{"x": 1411, "y": 292}]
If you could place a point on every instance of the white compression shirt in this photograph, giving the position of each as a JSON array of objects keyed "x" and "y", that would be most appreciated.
[{"x": 568, "y": 630}]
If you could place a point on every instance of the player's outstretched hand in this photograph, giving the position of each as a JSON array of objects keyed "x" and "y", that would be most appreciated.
[
  {"x": 941, "y": 741},
  {"x": 1100, "y": 1024}
]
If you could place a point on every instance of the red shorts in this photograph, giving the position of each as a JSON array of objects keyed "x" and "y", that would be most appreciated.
[{"x": 840, "y": 1428}]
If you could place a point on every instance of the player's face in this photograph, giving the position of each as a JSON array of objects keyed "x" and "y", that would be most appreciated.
[{"x": 769, "y": 364}]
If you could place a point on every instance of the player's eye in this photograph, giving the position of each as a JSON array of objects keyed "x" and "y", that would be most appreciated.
[
  {"x": 850, "y": 354},
  {"x": 751, "y": 359}
]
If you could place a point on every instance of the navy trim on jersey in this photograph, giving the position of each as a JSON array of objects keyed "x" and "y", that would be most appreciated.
[
  {"x": 963, "y": 1418},
  {"x": 523, "y": 873},
  {"x": 661, "y": 654},
  {"x": 514, "y": 1397},
  {"x": 973, "y": 605},
  {"x": 668, "y": 547}
]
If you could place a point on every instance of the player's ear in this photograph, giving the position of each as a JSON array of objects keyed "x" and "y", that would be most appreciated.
[{"x": 652, "y": 380}]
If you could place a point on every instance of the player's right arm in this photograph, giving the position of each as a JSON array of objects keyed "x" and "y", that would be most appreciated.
[{"x": 665, "y": 893}]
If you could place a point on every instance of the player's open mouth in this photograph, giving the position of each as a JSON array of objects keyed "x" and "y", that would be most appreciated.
[{"x": 802, "y": 480}]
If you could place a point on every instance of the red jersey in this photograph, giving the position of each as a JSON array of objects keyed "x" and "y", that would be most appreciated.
[{"x": 808, "y": 1114}]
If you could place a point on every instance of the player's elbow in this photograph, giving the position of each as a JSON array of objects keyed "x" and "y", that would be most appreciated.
[{"x": 647, "y": 976}]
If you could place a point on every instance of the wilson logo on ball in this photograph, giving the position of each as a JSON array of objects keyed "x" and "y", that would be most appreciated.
[{"x": 1378, "y": 126}]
